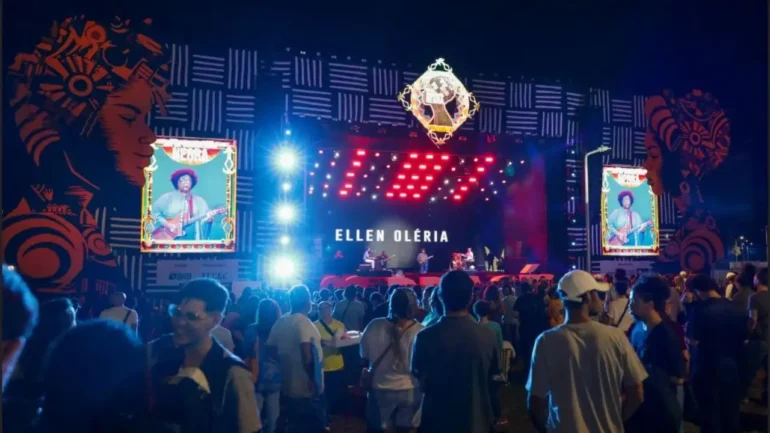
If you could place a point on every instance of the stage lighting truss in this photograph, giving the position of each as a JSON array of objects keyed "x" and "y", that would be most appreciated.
[{"x": 431, "y": 97}]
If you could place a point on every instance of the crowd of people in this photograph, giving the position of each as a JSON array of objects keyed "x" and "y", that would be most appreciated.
[{"x": 608, "y": 354}]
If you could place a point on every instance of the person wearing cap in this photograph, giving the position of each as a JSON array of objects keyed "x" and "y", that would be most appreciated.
[{"x": 581, "y": 369}]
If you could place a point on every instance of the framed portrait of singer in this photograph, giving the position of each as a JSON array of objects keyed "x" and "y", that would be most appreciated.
[
  {"x": 629, "y": 213},
  {"x": 188, "y": 199}
]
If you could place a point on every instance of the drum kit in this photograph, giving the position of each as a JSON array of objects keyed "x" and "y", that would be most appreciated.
[{"x": 461, "y": 262}]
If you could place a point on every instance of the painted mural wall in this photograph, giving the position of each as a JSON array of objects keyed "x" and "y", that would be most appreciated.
[{"x": 90, "y": 97}]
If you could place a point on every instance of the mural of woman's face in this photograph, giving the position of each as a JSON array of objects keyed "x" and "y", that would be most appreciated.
[
  {"x": 124, "y": 121},
  {"x": 654, "y": 165}
]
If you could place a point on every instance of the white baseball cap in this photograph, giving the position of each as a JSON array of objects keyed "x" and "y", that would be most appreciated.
[{"x": 577, "y": 283}]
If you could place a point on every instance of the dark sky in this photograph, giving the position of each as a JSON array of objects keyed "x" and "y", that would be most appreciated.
[{"x": 630, "y": 46}]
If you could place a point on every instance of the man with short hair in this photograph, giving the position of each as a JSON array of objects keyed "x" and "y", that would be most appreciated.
[
  {"x": 190, "y": 355},
  {"x": 580, "y": 368},
  {"x": 120, "y": 313},
  {"x": 455, "y": 361},
  {"x": 296, "y": 343},
  {"x": 658, "y": 346},
  {"x": 717, "y": 331},
  {"x": 20, "y": 311},
  {"x": 192, "y": 208}
]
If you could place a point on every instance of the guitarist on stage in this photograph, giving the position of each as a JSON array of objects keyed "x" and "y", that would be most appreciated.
[
  {"x": 625, "y": 224},
  {"x": 422, "y": 260},
  {"x": 182, "y": 202}
]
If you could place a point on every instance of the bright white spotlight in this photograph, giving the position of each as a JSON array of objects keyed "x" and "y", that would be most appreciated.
[
  {"x": 287, "y": 132},
  {"x": 286, "y": 213},
  {"x": 283, "y": 268},
  {"x": 286, "y": 159},
  {"x": 286, "y": 186},
  {"x": 284, "y": 240}
]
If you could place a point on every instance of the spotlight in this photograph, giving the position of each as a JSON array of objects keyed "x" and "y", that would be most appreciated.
[
  {"x": 286, "y": 159},
  {"x": 286, "y": 213},
  {"x": 328, "y": 176},
  {"x": 433, "y": 199},
  {"x": 374, "y": 196},
  {"x": 287, "y": 132},
  {"x": 316, "y": 165},
  {"x": 284, "y": 240},
  {"x": 323, "y": 195},
  {"x": 283, "y": 268},
  {"x": 429, "y": 156},
  {"x": 286, "y": 186},
  {"x": 457, "y": 197},
  {"x": 393, "y": 157},
  {"x": 521, "y": 162},
  {"x": 360, "y": 152},
  {"x": 488, "y": 159},
  {"x": 336, "y": 154},
  {"x": 349, "y": 174},
  {"x": 372, "y": 168}
]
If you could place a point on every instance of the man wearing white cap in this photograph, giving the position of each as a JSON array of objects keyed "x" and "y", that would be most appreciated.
[{"x": 582, "y": 368}]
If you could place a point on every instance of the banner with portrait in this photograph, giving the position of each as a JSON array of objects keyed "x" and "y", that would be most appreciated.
[
  {"x": 188, "y": 200},
  {"x": 629, "y": 213}
]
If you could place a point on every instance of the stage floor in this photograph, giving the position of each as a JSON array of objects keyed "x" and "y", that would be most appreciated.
[{"x": 414, "y": 278}]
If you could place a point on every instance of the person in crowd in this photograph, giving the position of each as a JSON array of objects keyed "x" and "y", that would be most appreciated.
[
  {"x": 618, "y": 308},
  {"x": 716, "y": 331},
  {"x": 350, "y": 311},
  {"x": 330, "y": 330},
  {"x": 265, "y": 369},
  {"x": 580, "y": 368},
  {"x": 436, "y": 310},
  {"x": 382, "y": 309},
  {"x": 510, "y": 322},
  {"x": 192, "y": 360},
  {"x": 759, "y": 326},
  {"x": 494, "y": 297},
  {"x": 20, "y": 310},
  {"x": 247, "y": 313},
  {"x": 394, "y": 398},
  {"x": 325, "y": 295},
  {"x": 656, "y": 342},
  {"x": 744, "y": 286},
  {"x": 530, "y": 311},
  {"x": 482, "y": 311},
  {"x": 555, "y": 309},
  {"x": 376, "y": 299},
  {"x": 57, "y": 316},
  {"x": 729, "y": 285},
  {"x": 224, "y": 337},
  {"x": 455, "y": 361},
  {"x": 119, "y": 312},
  {"x": 296, "y": 343},
  {"x": 107, "y": 394}
]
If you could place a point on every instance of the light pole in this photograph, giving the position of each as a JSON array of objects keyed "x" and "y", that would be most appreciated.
[{"x": 600, "y": 149}]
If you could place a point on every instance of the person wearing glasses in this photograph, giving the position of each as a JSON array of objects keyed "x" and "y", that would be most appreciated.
[{"x": 196, "y": 381}]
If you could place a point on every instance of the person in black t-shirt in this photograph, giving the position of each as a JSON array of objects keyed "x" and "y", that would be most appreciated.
[
  {"x": 658, "y": 347},
  {"x": 759, "y": 313},
  {"x": 716, "y": 331},
  {"x": 530, "y": 310}
]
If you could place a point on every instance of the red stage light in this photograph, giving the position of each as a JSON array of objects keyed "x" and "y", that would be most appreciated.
[
  {"x": 407, "y": 165},
  {"x": 413, "y": 155},
  {"x": 403, "y": 194},
  {"x": 445, "y": 157},
  {"x": 423, "y": 166},
  {"x": 402, "y": 176},
  {"x": 377, "y": 154},
  {"x": 361, "y": 153},
  {"x": 378, "y": 187},
  {"x": 429, "y": 156},
  {"x": 489, "y": 159},
  {"x": 416, "y": 196},
  {"x": 390, "y": 194},
  {"x": 350, "y": 174},
  {"x": 480, "y": 169},
  {"x": 428, "y": 177},
  {"x": 453, "y": 169},
  {"x": 475, "y": 160},
  {"x": 396, "y": 186},
  {"x": 343, "y": 192},
  {"x": 457, "y": 197},
  {"x": 356, "y": 163},
  {"x": 472, "y": 179},
  {"x": 410, "y": 187},
  {"x": 463, "y": 188},
  {"x": 423, "y": 187},
  {"x": 437, "y": 167},
  {"x": 348, "y": 186},
  {"x": 482, "y": 189},
  {"x": 415, "y": 177}
]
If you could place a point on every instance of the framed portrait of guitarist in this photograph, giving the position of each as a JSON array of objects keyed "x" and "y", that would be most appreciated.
[
  {"x": 629, "y": 213},
  {"x": 189, "y": 196}
]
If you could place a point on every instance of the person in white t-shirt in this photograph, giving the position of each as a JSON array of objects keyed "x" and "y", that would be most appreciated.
[
  {"x": 618, "y": 309},
  {"x": 224, "y": 337},
  {"x": 394, "y": 400},
  {"x": 581, "y": 369},
  {"x": 120, "y": 313},
  {"x": 296, "y": 343}
]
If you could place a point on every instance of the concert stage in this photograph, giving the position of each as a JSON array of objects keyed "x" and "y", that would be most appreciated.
[{"x": 413, "y": 278}]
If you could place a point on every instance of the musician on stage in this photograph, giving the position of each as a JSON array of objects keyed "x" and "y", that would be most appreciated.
[
  {"x": 369, "y": 257},
  {"x": 182, "y": 201},
  {"x": 468, "y": 256},
  {"x": 383, "y": 258},
  {"x": 422, "y": 260}
]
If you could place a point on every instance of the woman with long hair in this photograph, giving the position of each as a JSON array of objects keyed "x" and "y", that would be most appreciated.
[{"x": 265, "y": 371}]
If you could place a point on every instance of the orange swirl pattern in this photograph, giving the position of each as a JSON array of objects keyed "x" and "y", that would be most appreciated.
[{"x": 48, "y": 250}]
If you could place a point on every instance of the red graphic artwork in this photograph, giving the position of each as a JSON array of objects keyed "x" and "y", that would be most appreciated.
[
  {"x": 687, "y": 138},
  {"x": 80, "y": 102}
]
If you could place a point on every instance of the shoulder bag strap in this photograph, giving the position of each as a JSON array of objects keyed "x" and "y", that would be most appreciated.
[
  {"x": 329, "y": 330},
  {"x": 379, "y": 360},
  {"x": 624, "y": 314},
  {"x": 128, "y": 313}
]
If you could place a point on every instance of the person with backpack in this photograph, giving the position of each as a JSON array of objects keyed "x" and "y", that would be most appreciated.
[
  {"x": 197, "y": 385},
  {"x": 265, "y": 369}
]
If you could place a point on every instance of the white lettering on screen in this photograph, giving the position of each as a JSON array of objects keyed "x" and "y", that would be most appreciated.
[{"x": 371, "y": 235}]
